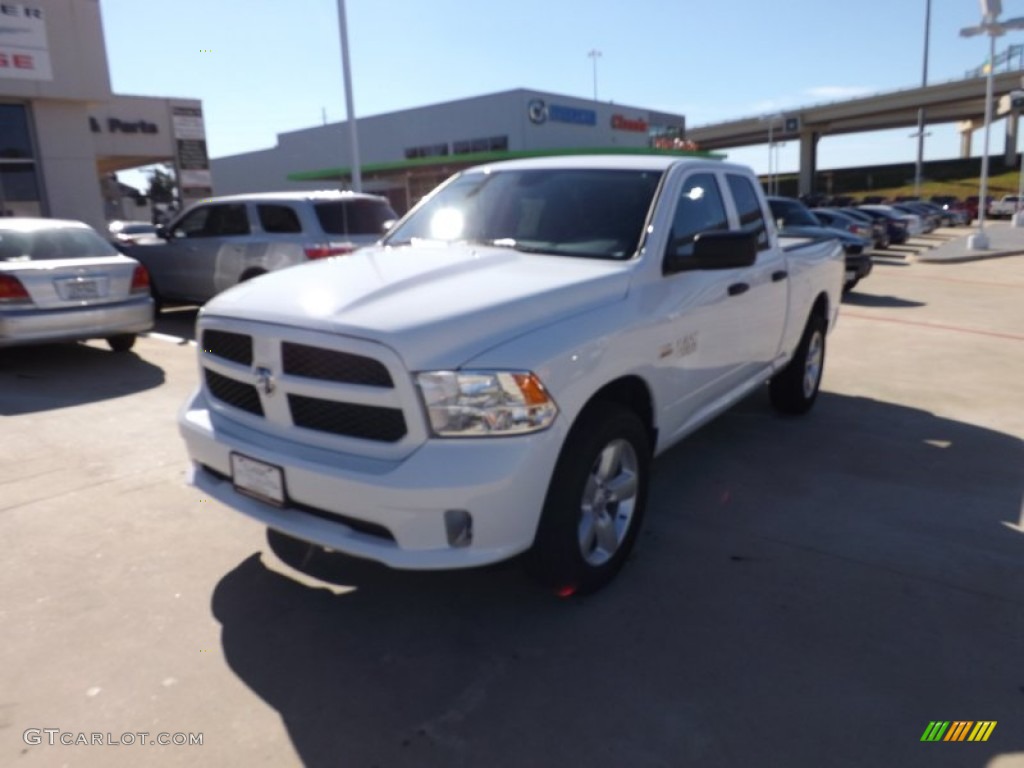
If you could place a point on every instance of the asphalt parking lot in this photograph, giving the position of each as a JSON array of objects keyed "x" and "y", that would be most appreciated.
[{"x": 807, "y": 592}]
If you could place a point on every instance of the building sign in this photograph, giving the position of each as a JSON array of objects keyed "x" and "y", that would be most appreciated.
[
  {"x": 190, "y": 157},
  {"x": 540, "y": 112},
  {"x": 117, "y": 125},
  {"x": 633, "y": 124},
  {"x": 24, "y": 53}
]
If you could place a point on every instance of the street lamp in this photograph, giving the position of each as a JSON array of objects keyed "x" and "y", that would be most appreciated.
[
  {"x": 353, "y": 134},
  {"x": 920, "y": 112},
  {"x": 594, "y": 54},
  {"x": 990, "y": 10}
]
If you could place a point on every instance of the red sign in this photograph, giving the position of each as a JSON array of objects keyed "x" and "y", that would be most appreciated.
[{"x": 634, "y": 124}]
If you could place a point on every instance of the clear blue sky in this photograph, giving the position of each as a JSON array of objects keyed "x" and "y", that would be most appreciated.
[{"x": 275, "y": 66}]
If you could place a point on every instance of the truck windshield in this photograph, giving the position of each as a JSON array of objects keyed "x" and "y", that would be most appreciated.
[{"x": 597, "y": 213}]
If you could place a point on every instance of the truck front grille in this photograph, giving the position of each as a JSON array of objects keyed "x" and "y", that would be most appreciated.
[
  {"x": 368, "y": 422},
  {"x": 232, "y": 392},
  {"x": 333, "y": 365},
  {"x": 236, "y": 347},
  {"x": 342, "y": 393}
]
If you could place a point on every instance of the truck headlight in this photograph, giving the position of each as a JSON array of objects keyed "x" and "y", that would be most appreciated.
[{"x": 482, "y": 403}]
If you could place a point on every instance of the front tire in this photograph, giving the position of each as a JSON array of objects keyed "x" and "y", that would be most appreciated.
[
  {"x": 595, "y": 503},
  {"x": 795, "y": 388}
]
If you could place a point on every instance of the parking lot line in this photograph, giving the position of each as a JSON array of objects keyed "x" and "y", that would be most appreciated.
[{"x": 936, "y": 326}]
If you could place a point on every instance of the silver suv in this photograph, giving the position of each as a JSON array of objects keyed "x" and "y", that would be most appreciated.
[{"x": 223, "y": 241}]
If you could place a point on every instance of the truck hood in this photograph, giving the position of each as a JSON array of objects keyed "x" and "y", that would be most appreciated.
[{"x": 436, "y": 305}]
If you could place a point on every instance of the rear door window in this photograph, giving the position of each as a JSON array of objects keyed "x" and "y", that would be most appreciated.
[{"x": 278, "y": 219}]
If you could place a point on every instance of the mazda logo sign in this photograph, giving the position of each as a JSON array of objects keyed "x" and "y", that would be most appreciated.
[{"x": 537, "y": 110}]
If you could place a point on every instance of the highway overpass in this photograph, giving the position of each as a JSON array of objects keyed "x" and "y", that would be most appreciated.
[{"x": 959, "y": 101}]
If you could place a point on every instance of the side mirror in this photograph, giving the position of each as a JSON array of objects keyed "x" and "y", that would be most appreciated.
[
  {"x": 387, "y": 225},
  {"x": 716, "y": 250},
  {"x": 162, "y": 232}
]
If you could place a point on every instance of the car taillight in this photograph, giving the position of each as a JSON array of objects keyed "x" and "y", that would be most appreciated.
[
  {"x": 140, "y": 280},
  {"x": 12, "y": 291},
  {"x": 323, "y": 250}
]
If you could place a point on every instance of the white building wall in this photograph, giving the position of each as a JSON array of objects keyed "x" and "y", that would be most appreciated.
[{"x": 67, "y": 162}]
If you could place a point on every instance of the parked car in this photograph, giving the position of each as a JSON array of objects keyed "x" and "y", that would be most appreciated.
[
  {"x": 954, "y": 206},
  {"x": 61, "y": 281},
  {"x": 131, "y": 232},
  {"x": 879, "y": 231},
  {"x": 496, "y": 376},
  {"x": 914, "y": 224},
  {"x": 973, "y": 205},
  {"x": 794, "y": 219},
  {"x": 895, "y": 225},
  {"x": 1005, "y": 207},
  {"x": 929, "y": 220},
  {"x": 839, "y": 220},
  {"x": 224, "y": 241}
]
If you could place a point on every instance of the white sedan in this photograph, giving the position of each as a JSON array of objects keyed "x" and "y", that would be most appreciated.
[{"x": 61, "y": 281}]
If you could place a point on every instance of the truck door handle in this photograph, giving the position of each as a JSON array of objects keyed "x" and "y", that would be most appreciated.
[
  {"x": 737, "y": 288},
  {"x": 780, "y": 275}
]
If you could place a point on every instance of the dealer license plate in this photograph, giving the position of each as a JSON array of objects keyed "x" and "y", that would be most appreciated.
[{"x": 258, "y": 479}]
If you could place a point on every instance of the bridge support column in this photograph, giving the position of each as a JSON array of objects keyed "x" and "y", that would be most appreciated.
[
  {"x": 1012, "y": 128},
  {"x": 808, "y": 160},
  {"x": 966, "y": 128}
]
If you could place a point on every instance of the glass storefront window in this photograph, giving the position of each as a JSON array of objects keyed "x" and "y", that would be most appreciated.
[{"x": 19, "y": 180}]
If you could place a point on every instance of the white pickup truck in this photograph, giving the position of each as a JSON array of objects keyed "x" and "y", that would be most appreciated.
[
  {"x": 495, "y": 376},
  {"x": 1005, "y": 207}
]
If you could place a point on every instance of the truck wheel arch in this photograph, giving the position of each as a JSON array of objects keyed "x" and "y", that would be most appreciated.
[{"x": 631, "y": 392}]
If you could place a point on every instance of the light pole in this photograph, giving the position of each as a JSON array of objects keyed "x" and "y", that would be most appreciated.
[
  {"x": 990, "y": 10},
  {"x": 770, "y": 119},
  {"x": 594, "y": 54},
  {"x": 353, "y": 134},
  {"x": 920, "y": 112}
]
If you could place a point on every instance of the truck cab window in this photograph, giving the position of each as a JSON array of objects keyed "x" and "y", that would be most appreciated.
[{"x": 699, "y": 209}]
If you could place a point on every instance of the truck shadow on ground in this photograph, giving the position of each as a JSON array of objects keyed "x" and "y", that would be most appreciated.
[
  {"x": 179, "y": 321},
  {"x": 43, "y": 378},
  {"x": 840, "y": 568}
]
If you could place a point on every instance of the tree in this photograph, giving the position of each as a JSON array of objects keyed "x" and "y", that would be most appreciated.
[{"x": 162, "y": 187}]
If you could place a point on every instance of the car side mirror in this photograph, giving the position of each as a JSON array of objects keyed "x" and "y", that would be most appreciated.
[{"x": 716, "y": 250}]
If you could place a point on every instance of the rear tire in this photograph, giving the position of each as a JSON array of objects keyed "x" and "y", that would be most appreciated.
[
  {"x": 122, "y": 342},
  {"x": 795, "y": 388},
  {"x": 595, "y": 503}
]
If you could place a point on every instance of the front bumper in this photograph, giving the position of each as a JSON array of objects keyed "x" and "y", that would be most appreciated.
[
  {"x": 331, "y": 496},
  {"x": 35, "y": 326}
]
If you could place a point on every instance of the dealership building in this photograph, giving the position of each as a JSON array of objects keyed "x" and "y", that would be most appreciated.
[
  {"x": 64, "y": 133},
  {"x": 405, "y": 154}
]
